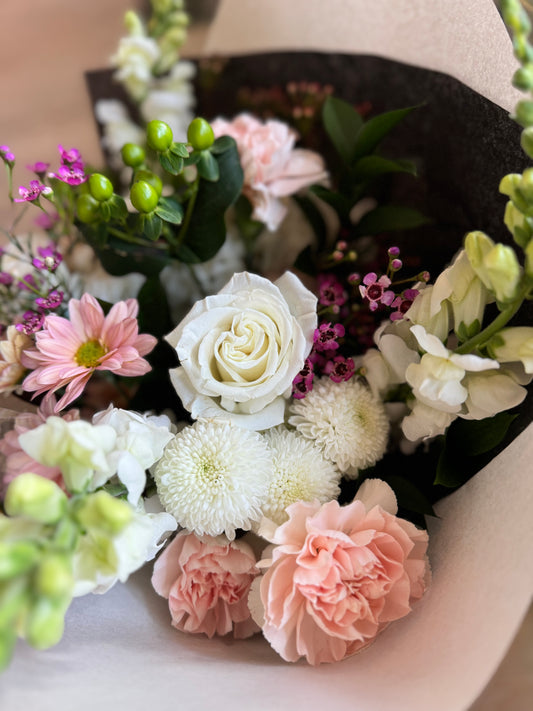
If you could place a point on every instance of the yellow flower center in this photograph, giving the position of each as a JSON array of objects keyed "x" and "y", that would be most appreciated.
[{"x": 90, "y": 353}]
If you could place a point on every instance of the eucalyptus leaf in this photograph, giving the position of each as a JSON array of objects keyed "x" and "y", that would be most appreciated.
[
  {"x": 342, "y": 124},
  {"x": 179, "y": 149},
  {"x": 119, "y": 210},
  {"x": 151, "y": 226},
  {"x": 222, "y": 144},
  {"x": 388, "y": 218}
]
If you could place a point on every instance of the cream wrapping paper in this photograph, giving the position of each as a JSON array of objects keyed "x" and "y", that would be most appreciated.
[{"x": 119, "y": 649}]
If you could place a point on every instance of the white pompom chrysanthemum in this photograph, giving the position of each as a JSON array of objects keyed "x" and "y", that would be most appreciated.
[
  {"x": 346, "y": 420},
  {"x": 214, "y": 477},
  {"x": 301, "y": 473}
]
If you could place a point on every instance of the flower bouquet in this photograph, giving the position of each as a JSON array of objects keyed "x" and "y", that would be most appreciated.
[{"x": 279, "y": 362}]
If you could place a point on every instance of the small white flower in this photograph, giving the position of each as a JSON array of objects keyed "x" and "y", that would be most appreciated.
[
  {"x": 141, "y": 440},
  {"x": 491, "y": 392},
  {"x": 214, "y": 477},
  {"x": 424, "y": 421},
  {"x": 301, "y": 473},
  {"x": 512, "y": 345},
  {"x": 346, "y": 420},
  {"x": 135, "y": 59},
  {"x": 430, "y": 310}
]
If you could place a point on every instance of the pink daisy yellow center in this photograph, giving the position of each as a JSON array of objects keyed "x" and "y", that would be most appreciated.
[{"x": 90, "y": 353}]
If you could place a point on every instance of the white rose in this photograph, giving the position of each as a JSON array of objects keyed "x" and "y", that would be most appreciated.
[{"x": 241, "y": 349}]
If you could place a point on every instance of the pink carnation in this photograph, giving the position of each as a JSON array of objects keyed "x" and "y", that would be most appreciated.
[
  {"x": 273, "y": 168},
  {"x": 68, "y": 351},
  {"x": 206, "y": 581},
  {"x": 338, "y": 576}
]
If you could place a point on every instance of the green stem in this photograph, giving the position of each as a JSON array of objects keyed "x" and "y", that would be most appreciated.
[
  {"x": 188, "y": 214},
  {"x": 196, "y": 280},
  {"x": 499, "y": 322},
  {"x": 9, "y": 181}
]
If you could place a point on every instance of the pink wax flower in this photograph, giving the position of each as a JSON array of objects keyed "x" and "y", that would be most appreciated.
[
  {"x": 38, "y": 167},
  {"x": 303, "y": 382},
  {"x": 72, "y": 155},
  {"x": 340, "y": 369},
  {"x": 326, "y": 335},
  {"x": 71, "y": 174},
  {"x": 33, "y": 322},
  {"x": 375, "y": 290},
  {"x": 273, "y": 168},
  {"x": 46, "y": 221},
  {"x": 403, "y": 303},
  {"x": 6, "y": 154},
  {"x": 32, "y": 193},
  {"x": 337, "y": 576},
  {"x": 17, "y": 461},
  {"x": 206, "y": 581},
  {"x": 52, "y": 301},
  {"x": 68, "y": 352},
  {"x": 330, "y": 291},
  {"x": 50, "y": 258}
]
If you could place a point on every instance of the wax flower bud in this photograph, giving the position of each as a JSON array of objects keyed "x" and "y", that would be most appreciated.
[
  {"x": 104, "y": 512},
  {"x": 36, "y": 497}
]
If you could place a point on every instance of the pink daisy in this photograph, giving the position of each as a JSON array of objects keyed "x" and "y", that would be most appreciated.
[{"x": 68, "y": 351}]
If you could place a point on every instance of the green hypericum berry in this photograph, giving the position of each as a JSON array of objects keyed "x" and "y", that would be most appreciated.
[
  {"x": 200, "y": 134},
  {"x": 144, "y": 197},
  {"x": 87, "y": 208},
  {"x": 526, "y": 141},
  {"x": 132, "y": 154},
  {"x": 151, "y": 178},
  {"x": 524, "y": 113},
  {"x": 159, "y": 136},
  {"x": 100, "y": 187}
]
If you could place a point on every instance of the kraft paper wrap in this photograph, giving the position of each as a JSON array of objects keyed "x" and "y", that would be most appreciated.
[{"x": 119, "y": 649}]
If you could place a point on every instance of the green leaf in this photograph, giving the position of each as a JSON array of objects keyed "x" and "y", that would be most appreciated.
[
  {"x": 153, "y": 308},
  {"x": 409, "y": 496},
  {"x": 208, "y": 167},
  {"x": 170, "y": 211},
  {"x": 337, "y": 201},
  {"x": 249, "y": 229},
  {"x": 119, "y": 258},
  {"x": 179, "y": 149},
  {"x": 371, "y": 167},
  {"x": 388, "y": 218},
  {"x": 221, "y": 145},
  {"x": 207, "y": 230},
  {"x": 474, "y": 437},
  {"x": 119, "y": 211},
  {"x": 314, "y": 217},
  {"x": 193, "y": 158},
  {"x": 375, "y": 130},
  {"x": 151, "y": 226},
  {"x": 342, "y": 124},
  {"x": 172, "y": 163}
]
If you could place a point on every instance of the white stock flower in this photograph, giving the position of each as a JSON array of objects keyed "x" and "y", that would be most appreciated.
[
  {"x": 346, "y": 420},
  {"x": 424, "y": 421},
  {"x": 136, "y": 57},
  {"x": 241, "y": 349},
  {"x": 214, "y": 477},
  {"x": 437, "y": 379},
  {"x": 118, "y": 128},
  {"x": 100, "y": 560},
  {"x": 141, "y": 440},
  {"x": 301, "y": 473},
  {"x": 78, "y": 448}
]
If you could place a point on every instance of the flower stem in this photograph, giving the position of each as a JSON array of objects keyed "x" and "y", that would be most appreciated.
[{"x": 188, "y": 215}]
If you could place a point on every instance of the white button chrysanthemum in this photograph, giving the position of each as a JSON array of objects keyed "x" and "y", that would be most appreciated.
[
  {"x": 214, "y": 477},
  {"x": 346, "y": 420},
  {"x": 301, "y": 473}
]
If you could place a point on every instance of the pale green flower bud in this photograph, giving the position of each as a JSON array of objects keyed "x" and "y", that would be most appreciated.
[
  {"x": 477, "y": 246},
  {"x": 513, "y": 345},
  {"x": 526, "y": 141},
  {"x": 520, "y": 226},
  {"x": 524, "y": 113},
  {"x": 35, "y": 497},
  {"x": 134, "y": 24},
  {"x": 503, "y": 270},
  {"x": 526, "y": 184},
  {"x": 45, "y": 623},
  {"x": 162, "y": 6},
  {"x": 103, "y": 512},
  {"x": 523, "y": 77},
  {"x": 54, "y": 578},
  {"x": 17, "y": 558},
  {"x": 8, "y": 639},
  {"x": 515, "y": 17},
  {"x": 509, "y": 183},
  {"x": 430, "y": 310},
  {"x": 14, "y": 599},
  {"x": 529, "y": 259}
]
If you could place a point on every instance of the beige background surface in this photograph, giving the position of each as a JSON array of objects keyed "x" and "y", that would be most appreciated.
[{"x": 46, "y": 46}]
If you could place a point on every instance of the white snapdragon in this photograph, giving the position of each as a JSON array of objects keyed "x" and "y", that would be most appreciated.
[
  {"x": 430, "y": 310},
  {"x": 135, "y": 59},
  {"x": 171, "y": 99},
  {"x": 140, "y": 442},
  {"x": 491, "y": 392},
  {"x": 78, "y": 448},
  {"x": 397, "y": 349},
  {"x": 512, "y": 345}
]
